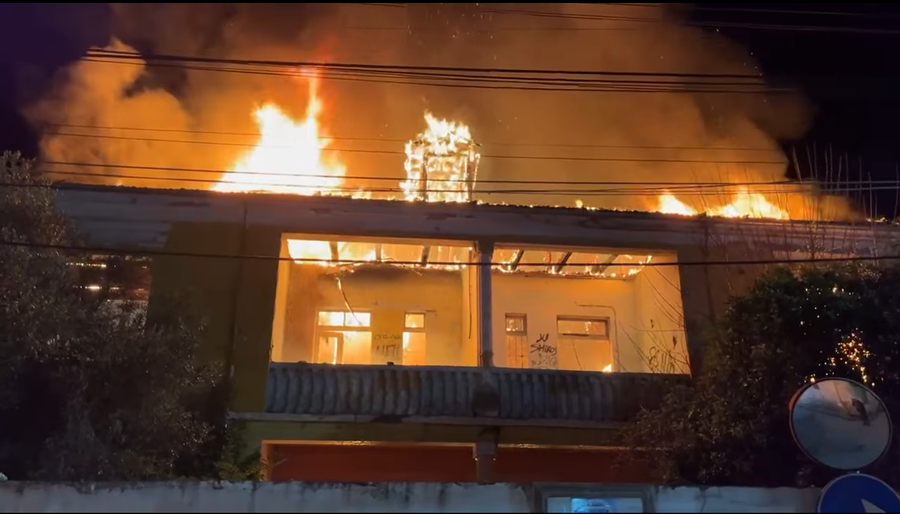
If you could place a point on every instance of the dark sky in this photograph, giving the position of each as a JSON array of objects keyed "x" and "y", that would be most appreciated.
[
  {"x": 850, "y": 75},
  {"x": 841, "y": 58}
]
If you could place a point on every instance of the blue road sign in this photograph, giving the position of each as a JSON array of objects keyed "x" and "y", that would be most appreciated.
[{"x": 858, "y": 493}]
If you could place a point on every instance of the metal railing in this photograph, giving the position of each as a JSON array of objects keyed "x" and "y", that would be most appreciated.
[{"x": 461, "y": 392}]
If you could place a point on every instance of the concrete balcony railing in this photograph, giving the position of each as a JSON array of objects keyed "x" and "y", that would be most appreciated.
[{"x": 397, "y": 392}]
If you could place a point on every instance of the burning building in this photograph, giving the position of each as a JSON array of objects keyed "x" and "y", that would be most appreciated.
[
  {"x": 398, "y": 334},
  {"x": 383, "y": 317},
  {"x": 401, "y": 334},
  {"x": 402, "y": 326}
]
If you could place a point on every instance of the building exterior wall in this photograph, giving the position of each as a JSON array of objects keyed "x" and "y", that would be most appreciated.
[
  {"x": 234, "y": 296},
  {"x": 239, "y": 296},
  {"x": 383, "y": 497},
  {"x": 209, "y": 222}
]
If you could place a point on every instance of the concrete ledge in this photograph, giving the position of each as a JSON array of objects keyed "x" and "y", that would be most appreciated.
[
  {"x": 382, "y": 497},
  {"x": 435, "y": 420},
  {"x": 526, "y": 396}
]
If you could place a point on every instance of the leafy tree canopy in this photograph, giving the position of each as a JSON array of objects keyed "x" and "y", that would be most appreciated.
[
  {"x": 731, "y": 427},
  {"x": 91, "y": 391}
]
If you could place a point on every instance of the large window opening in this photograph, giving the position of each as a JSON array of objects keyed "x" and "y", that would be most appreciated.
[
  {"x": 347, "y": 338},
  {"x": 416, "y": 303},
  {"x": 343, "y": 337},
  {"x": 517, "y": 340},
  {"x": 584, "y": 344},
  {"x": 405, "y": 302},
  {"x": 595, "y": 310}
]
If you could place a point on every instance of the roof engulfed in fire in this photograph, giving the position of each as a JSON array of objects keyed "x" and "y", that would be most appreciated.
[
  {"x": 441, "y": 177},
  {"x": 441, "y": 166}
]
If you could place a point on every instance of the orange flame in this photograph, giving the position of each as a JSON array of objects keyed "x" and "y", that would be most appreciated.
[
  {"x": 744, "y": 205},
  {"x": 751, "y": 205},
  {"x": 441, "y": 163},
  {"x": 668, "y": 204},
  {"x": 287, "y": 158}
]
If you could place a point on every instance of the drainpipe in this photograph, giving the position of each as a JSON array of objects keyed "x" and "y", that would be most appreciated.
[
  {"x": 485, "y": 453},
  {"x": 237, "y": 280},
  {"x": 484, "y": 252},
  {"x": 485, "y": 401}
]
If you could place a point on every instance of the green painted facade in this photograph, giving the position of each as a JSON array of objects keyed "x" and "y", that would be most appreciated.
[{"x": 234, "y": 296}]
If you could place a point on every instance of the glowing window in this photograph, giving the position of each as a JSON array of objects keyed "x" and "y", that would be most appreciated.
[
  {"x": 344, "y": 319},
  {"x": 343, "y": 337},
  {"x": 414, "y": 339},
  {"x": 516, "y": 341},
  {"x": 583, "y": 327},
  {"x": 583, "y": 344},
  {"x": 415, "y": 321}
]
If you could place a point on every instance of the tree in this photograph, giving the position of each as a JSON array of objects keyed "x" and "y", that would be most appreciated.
[
  {"x": 731, "y": 426},
  {"x": 91, "y": 390}
]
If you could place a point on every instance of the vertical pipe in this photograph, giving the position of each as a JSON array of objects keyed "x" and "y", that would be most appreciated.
[
  {"x": 485, "y": 453},
  {"x": 485, "y": 251},
  {"x": 237, "y": 280}
]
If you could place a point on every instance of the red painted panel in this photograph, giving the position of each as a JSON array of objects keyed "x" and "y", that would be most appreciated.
[{"x": 385, "y": 463}]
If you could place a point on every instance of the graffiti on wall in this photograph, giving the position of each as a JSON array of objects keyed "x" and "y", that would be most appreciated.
[{"x": 543, "y": 354}]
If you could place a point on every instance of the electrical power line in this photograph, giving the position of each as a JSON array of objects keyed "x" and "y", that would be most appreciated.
[
  {"x": 440, "y": 71},
  {"x": 170, "y": 253},
  {"x": 750, "y": 10},
  {"x": 621, "y": 18},
  {"x": 486, "y": 156},
  {"x": 623, "y": 188},
  {"x": 484, "y": 83},
  {"x": 216, "y": 172},
  {"x": 490, "y": 78},
  {"x": 399, "y": 140},
  {"x": 348, "y": 191}
]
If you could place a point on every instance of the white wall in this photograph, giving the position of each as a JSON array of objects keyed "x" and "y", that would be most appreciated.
[
  {"x": 645, "y": 313},
  {"x": 542, "y": 299},
  {"x": 735, "y": 499},
  {"x": 659, "y": 321},
  {"x": 437, "y": 294},
  {"x": 392, "y": 497}
]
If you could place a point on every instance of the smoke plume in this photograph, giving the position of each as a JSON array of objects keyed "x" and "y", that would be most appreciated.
[{"x": 523, "y": 133}]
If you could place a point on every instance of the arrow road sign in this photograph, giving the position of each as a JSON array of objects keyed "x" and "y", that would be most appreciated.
[{"x": 857, "y": 492}]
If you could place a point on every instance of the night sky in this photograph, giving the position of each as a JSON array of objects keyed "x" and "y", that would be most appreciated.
[{"x": 843, "y": 58}]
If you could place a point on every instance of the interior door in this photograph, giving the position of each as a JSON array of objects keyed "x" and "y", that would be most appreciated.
[{"x": 330, "y": 348}]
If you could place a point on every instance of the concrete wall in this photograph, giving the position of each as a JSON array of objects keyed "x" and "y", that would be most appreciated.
[
  {"x": 392, "y": 497},
  {"x": 662, "y": 341}
]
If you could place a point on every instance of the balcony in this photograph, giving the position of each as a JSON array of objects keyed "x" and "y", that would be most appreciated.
[
  {"x": 499, "y": 396},
  {"x": 409, "y": 330}
]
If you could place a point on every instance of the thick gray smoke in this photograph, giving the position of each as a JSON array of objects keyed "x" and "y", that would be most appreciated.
[{"x": 364, "y": 116}]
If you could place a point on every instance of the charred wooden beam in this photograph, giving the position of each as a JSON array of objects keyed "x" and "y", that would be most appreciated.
[
  {"x": 600, "y": 268},
  {"x": 514, "y": 263},
  {"x": 335, "y": 254},
  {"x": 562, "y": 263}
]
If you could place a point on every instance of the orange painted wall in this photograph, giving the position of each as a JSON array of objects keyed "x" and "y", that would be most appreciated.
[{"x": 337, "y": 463}]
